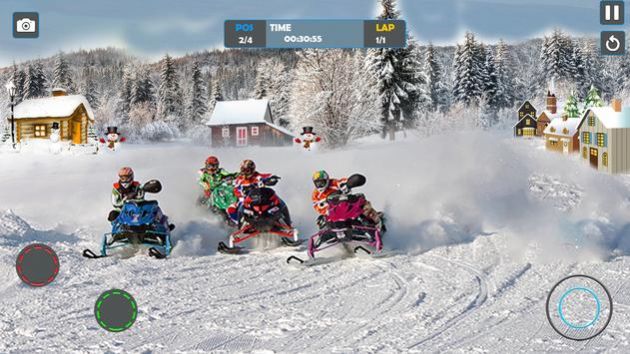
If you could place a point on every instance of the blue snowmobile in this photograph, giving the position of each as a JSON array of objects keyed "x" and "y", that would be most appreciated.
[{"x": 140, "y": 223}]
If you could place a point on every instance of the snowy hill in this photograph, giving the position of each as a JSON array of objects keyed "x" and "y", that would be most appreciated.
[{"x": 481, "y": 227}]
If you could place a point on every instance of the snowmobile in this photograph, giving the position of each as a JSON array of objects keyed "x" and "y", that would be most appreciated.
[
  {"x": 346, "y": 225},
  {"x": 140, "y": 223},
  {"x": 261, "y": 214},
  {"x": 221, "y": 198}
]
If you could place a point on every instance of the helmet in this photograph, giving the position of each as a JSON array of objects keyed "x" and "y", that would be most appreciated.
[
  {"x": 212, "y": 164},
  {"x": 248, "y": 167},
  {"x": 321, "y": 180},
  {"x": 125, "y": 176}
]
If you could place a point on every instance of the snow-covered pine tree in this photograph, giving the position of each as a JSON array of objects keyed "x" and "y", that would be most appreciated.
[
  {"x": 261, "y": 87},
  {"x": 88, "y": 87},
  {"x": 35, "y": 84},
  {"x": 571, "y": 107},
  {"x": 169, "y": 93},
  {"x": 436, "y": 91},
  {"x": 394, "y": 70},
  {"x": 579, "y": 74},
  {"x": 556, "y": 54},
  {"x": 506, "y": 82},
  {"x": 142, "y": 87},
  {"x": 18, "y": 77},
  {"x": 62, "y": 77},
  {"x": 413, "y": 74},
  {"x": 198, "y": 105},
  {"x": 491, "y": 84},
  {"x": 469, "y": 71},
  {"x": 217, "y": 95},
  {"x": 593, "y": 99},
  {"x": 124, "y": 93},
  {"x": 622, "y": 79}
]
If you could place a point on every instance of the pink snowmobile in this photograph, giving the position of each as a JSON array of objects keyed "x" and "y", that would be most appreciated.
[{"x": 346, "y": 225}]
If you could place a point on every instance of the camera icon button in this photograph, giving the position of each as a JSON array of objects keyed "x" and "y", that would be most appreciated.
[{"x": 25, "y": 25}]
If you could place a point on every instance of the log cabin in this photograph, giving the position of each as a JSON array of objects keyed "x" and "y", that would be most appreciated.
[{"x": 34, "y": 118}]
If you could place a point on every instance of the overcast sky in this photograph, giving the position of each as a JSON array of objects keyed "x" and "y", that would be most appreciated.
[{"x": 153, "y": 27}]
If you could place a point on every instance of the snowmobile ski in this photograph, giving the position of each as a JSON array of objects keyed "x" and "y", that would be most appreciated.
[
  {"x": 291, "y": 243},
  {"x": 225, "y": 249},
  {"x": 88, "y": 253},
  {"x": 360, "y": 250},
  {"x": 156, "y": 253}
]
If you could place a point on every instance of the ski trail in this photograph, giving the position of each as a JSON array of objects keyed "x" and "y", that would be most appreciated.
[{"x": 483, "y": 283}]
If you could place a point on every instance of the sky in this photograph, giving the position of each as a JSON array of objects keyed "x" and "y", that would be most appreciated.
[{"x": 150, "y": 28}]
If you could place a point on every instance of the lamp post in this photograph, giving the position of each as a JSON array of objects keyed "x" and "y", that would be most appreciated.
[{"x": 11, "y": 90}]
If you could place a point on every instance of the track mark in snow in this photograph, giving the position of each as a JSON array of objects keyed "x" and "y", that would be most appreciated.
[{"x": 481, "y": 297}]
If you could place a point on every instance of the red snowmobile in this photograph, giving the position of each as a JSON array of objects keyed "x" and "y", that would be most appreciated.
[{"x": 262, "y": 213}]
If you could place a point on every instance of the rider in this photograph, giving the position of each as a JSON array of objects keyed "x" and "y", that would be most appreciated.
[
  {"x": 247, "y": 179},
  {"x": 324, "y": 187},
  {"x": 212, "y": 175},
  {"x": 125, "y": 189}
]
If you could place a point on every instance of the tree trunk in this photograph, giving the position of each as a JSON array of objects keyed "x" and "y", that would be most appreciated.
[{"x": 392, "y": 130}]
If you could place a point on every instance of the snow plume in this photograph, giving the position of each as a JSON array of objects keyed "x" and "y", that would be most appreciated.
[{"x": 442, "y": 190}]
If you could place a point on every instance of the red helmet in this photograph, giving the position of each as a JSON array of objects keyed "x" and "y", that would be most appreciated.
[
  {"x": 125, "y": 175},
  {"x": 248, "y": 167},
  {"x": 212, "y": 160}
]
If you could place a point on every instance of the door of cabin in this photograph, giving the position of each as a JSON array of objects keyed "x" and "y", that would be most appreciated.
[
  {"x": 565, "y": 146},
  {"x": 76, "y": 132},
  {"x": 594, "y": 158},
  {"x": 241, "y": 136}
]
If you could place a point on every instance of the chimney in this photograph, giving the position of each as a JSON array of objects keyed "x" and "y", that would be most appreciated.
[
  {"x": 552, "y": 104},
  {"x": 56, "y": 92},
  {"x": 565, "y": 117},
  {"x": 616, "y": 105}
]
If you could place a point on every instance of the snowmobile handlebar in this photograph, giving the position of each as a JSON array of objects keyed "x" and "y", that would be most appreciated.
[
  {"x": 269, "y": 182},
  {"x": 152, "y": 186}
]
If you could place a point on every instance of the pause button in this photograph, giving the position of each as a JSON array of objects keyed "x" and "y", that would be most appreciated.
[{"x": 612, "y": 12}]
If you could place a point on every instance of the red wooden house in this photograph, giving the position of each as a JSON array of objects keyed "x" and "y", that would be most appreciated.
[{"x": 246, "y": 123}]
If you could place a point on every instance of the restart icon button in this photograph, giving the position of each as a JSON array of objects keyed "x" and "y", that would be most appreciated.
[{"x": 613, "y": 43}]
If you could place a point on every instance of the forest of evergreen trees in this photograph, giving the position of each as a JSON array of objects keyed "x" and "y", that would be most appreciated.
[{"x": 344, "y": 94}]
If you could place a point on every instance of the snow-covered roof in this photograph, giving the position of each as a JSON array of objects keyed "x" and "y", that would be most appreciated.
[
  {"x": 54, "y": 107},
  {"x": 277, "y": 127},
  {"x": 239, "y": 112},
  {"x": 521, "y": 106},
  {"x": 571, "y": 125},
  {"x": 611, "y": 119}
]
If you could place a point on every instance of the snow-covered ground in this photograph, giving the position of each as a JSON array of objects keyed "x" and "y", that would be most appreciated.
[{"x": 481, "y": 227}]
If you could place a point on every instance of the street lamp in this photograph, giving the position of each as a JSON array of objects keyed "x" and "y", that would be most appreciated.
[{"x": 11, "y": 90}]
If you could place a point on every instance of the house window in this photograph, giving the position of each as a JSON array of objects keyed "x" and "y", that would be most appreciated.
[
  {"x": 225, "y": 132},
  {"x": 605, "y": 159},
  {"x": 601, "y": 139},
  {"x": 553, "y": 129},
  {"x": 591, "y": 120},
  {"x": 521, "y": 114},
  {"x": 565, "y": 131},
  {"x": 40, "y": 130},
  {"x": 254, "y": 131},
  {"x": 528, "y": 122},
  {"x": 553, "y": 142},
  {"x": 586, "y": 138},
  {"x": 584, "y": 153},
  {"x": 529, "y": 132}
]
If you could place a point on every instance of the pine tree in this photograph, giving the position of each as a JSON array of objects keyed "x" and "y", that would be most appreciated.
[
  {"x": 61, "y": 74},
  {"x": 124, "y": 93},
  {"x": 88, "y": 88},
  {"x": 469, "y": 71},
  {"x": 141, "y": 87},
  {"x": 261, "y": 87},
  {"x": 436, "y": 90},
  {"x": 571, "y": 107},
  {"x": 18, "y": 77},
  {"x": 579, "y": 73},
  {"x": 35, "y": 83},
  {"x": 197, "y": 107},
  {"x": 491, "y": 83},
  {"x": 505, "y": 76},
  {"x": 217, "y": 94},
  {"x": 169, "y": 93},
  {"x": 556, "y": 56},
  {"x": 394, "y": 71},
  {"x": 593, "y": 99}
]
